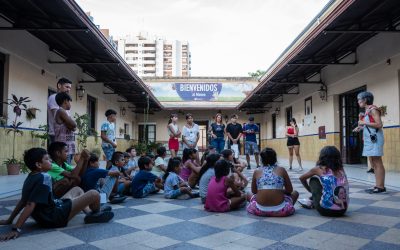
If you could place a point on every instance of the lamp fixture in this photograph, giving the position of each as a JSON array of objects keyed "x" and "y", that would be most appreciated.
[
  {"x": 80, "y": 92},
  {"x": 323, "y": 92},
  {"x": 123, "y": 111},
  {"x": 277, "y": 111}
]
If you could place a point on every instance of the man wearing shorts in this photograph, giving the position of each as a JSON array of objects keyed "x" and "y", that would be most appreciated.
[{"x": 251, "y": 146}]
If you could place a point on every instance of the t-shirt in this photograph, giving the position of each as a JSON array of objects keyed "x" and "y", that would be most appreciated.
[
  {"x": 109, "y": 128},
  {"x": 56, "y": 170},
  {"x": 51, "y": 104},
  {"x": 132, "y": 163},
  {"x": 190, "y": 134},
  {"x": 204, "y": 181},
  {"x": 48, "y": 212},
  {"x": 218, "y": 129},
  {"x": 141, "y": 179},
  {"x": 234, "y": 130},
  {"x": 156, "y": 170},
  {"x": 171, "y": 181},
  {"x": 251, "y": 136},
  {"x": 91, "y": 176}
]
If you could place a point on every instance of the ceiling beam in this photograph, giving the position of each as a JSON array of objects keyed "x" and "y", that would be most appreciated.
[
  {"x": 46, "y": 29},
  {"x": 320, "y": 64},
  {"x": 66, "y": 62},
  {"x": 297, "y": 82},
  {"x": 111, "y": 82},
  {"x": 359, "y": 31}
]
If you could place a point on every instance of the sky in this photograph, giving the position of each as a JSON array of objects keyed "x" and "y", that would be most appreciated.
[{"x": 226, "y": 37}]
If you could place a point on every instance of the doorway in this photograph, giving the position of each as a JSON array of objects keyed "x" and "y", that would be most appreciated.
[
  {"x": 351, "y": 143},
  {"x": 203, "y": 141}
]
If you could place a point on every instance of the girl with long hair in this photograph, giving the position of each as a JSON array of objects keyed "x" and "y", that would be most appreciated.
[
  {"x": 293, "y": 143},
  {"x": 174, "y": 134}
]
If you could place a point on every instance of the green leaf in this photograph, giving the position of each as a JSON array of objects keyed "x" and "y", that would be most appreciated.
[{"x": 14, "y": 98}]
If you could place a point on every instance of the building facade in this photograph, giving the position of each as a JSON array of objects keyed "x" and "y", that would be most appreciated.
[{"x": 155, "y": 57}]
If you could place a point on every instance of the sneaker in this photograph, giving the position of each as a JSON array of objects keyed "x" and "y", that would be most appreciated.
[
  {"x": 371, "y": 170},
  {"x": 306, "y": 203},
  {"x": 105, "y": 208},
  {"x": 117, "y": 199},
  {"x": 377, "y": 190},
  {"x": 369, "y": 190},
  {"x": 99, "y": 217},
  {"x": 195, "y": 195}
]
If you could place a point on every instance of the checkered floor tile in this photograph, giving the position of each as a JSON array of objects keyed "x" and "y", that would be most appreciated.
[{"x": 372, "y": 222}]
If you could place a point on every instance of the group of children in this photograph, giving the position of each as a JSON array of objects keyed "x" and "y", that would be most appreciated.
[{"x": 55, "y": 192}]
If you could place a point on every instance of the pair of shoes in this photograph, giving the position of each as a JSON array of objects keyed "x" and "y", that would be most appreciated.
[
  {"x": 117, "y": 199},
  {"x": 371, "y": 170},
  {"x": 376, "y": 190},
  {"x": 306, "y": 203},
  {"x": 99, "y": 217}
]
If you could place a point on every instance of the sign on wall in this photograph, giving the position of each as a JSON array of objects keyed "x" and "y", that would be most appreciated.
[{"x": 201, "y": 94}]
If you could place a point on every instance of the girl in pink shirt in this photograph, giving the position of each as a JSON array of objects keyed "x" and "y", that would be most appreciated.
[
  {"x": 190, "y": 169},
  {"x": 217, "y": 197}
]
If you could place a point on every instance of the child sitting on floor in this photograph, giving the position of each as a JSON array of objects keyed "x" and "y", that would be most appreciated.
[
  {"x": 160, "y": 166},
  {"x": 104, "y": 181},
  {"x": 217, "y": 196},
  {"x": 65, "y": 176},
  {"x": 144, "y": 182},
  {"x": 133, "y": 167},
  {"x": 272, "y": 191},
  {"x": 37, "y": 200},
  {"x": 328, "y": 184},
  {"x": 236, "y": 169},
  {"x": 124, "y": 180},
  {"x": 190, "y": 168},
  {"x": 206, "y": 172},
  {"x": 174, "y": 186}
]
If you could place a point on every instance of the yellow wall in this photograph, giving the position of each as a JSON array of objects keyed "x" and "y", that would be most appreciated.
[{"x": 311, "y": 145}]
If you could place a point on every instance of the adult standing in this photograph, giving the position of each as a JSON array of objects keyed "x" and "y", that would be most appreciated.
[
  {"x": 293, "y": 143},
  {"x": 371, "y": 124},
  {"x": 63, "y": 85},
  {"x": 217, "y": 132},
  {"x": 251, "y": 146},
  {"x": 174, "y": 134},
  {"x": 191, "y": 135},
  {"x": 234, "y": 132}
]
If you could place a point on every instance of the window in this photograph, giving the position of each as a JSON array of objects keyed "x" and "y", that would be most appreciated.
[
  {"x": 147, "y": 133},
  {"x": 126, "y": 128},
  {"x": 289, "y": 115},
  {"x": 2, "y": 85},
  {"x": 91, "y": 111},
  {"x": 274, "y": 126},
  {"x": 308, "y": 106}
]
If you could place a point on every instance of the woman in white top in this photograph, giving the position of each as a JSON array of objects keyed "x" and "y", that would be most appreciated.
[
  {"x": 190, "y": 135},
  {"x": 174, "y": 133}
]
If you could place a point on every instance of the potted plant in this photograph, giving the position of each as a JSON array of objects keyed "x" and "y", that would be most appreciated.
[
  {"x": 127, "y": 137},
  {"x": 31, "y": 113},
  {"x": 44, "y": 137},
  {"x": 84, "y": 131},
  {"x": 18, "y": 105}
]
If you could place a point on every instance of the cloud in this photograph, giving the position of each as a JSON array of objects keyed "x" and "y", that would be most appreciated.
[{"x": 227, "y": 37}]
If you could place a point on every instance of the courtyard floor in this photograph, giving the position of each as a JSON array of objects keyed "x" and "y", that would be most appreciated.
[{"x": 372, "y": 222}]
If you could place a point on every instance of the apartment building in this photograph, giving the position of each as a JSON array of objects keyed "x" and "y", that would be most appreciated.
[{"x": 155, "y": 57}]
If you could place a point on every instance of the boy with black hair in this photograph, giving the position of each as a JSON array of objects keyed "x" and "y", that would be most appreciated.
[
  {"x": 108, "y": 135},
  {"x": 144, "y": 182},
  {"x": 64, "y": 175},
  {"x": 124, "y": 181},
  {"x": 104, "y": 181},
  {"x": 133, "y": 167},
  {"x": 37, "y": 200},
  {"x": 63, "y": 85},
  {"x": 64, "y": 125}
]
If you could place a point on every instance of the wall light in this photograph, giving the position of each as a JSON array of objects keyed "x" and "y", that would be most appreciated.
[
  {"x": 277, "y": 111},
  {"x": 80, "y": 92},
  {"x": 323, "y": 92},
  {"x": 123, "y": 111}
]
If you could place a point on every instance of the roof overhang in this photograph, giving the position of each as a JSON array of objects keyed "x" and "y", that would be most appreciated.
[
  {"x": 331, "y": 38},
  {"x": 69, "y": 32}
]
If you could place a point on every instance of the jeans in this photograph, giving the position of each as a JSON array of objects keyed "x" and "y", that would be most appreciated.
[
  {"x": 108, "y": 185},
  {"x": 108, "y": 150},
  {"x": 218, "y": 143}
]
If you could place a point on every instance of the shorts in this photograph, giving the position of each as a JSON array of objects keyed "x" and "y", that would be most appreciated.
[
  {"x": 293, "y": 141},
  {"x": 173, "y": 194},
  {"x": 173, "y": 143},
  {"x": 251, "y": 148},
  {"x": 286, "y": 210},
  {"x": 108, "y": 150}
]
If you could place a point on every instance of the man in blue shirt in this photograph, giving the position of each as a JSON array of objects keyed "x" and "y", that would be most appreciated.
[{"x": 251, "y": 146}]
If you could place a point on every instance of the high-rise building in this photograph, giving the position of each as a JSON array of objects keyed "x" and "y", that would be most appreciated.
[{"x": 155, "y": 57}]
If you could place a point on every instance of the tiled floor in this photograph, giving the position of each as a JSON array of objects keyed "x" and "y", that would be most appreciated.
[{"x": 372, "y": 222}]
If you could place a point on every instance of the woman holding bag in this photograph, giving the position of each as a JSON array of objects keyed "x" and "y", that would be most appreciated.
[{"x": 371, "y": 124}]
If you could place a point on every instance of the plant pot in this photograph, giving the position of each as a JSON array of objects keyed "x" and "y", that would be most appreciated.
[
  {"x": 76, "y": 158},
  {"x": 13, "y": 169}
]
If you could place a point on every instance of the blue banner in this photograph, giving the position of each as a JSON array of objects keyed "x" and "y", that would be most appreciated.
[{"x": 198, "y": 91}]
